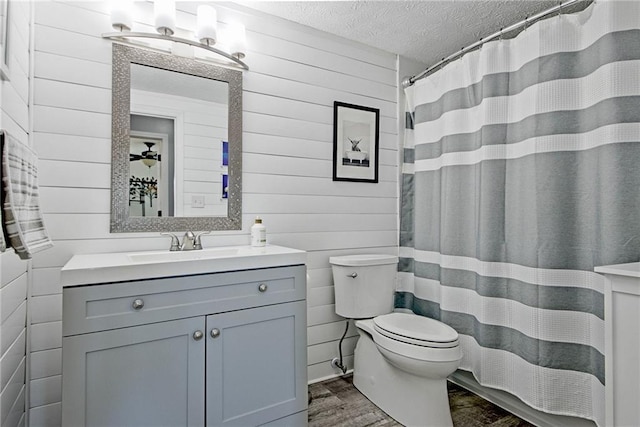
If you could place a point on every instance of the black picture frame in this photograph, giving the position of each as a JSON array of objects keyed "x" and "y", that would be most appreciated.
[
  {"x": 4, "y": 40},
  {"x": 356, "y": 142}
]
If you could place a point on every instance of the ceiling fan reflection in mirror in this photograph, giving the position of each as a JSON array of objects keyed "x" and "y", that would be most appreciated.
[{"x": 149, "y": 157}]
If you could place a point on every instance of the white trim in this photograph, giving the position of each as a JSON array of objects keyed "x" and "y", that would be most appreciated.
[
  {"x": 608, "y": 359},
  {"x": 330, "y": 377}
]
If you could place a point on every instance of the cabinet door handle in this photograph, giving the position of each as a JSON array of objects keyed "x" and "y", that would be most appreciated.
[
  {"x": 137, "y": 304},
  {"x": 262, "y": 287},
  {"x": 215, "y": 333},
  {"x": 197, "y": 335}
]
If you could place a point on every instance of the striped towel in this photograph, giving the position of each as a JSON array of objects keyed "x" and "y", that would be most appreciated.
[{"x": 23, "y": 224}]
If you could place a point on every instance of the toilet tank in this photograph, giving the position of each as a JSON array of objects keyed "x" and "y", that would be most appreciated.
[{"x": 364, "y": 284}]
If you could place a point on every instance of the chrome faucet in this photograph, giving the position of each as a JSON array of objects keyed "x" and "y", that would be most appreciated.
[{"x": 190, "y": 241}]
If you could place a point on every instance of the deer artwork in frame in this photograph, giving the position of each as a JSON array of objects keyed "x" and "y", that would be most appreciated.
[{"x": 356, "y": 132}]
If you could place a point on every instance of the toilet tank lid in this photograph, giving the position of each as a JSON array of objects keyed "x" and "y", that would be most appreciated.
[{"x": 363, "y": 260}]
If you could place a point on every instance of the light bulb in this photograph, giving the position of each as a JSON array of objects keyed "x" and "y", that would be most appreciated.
[
  {"x": 207, "y": 30},
  {"x": 237, "y": 40},
  {"x": 165, "y": 16},
  {"x": 149, "y": 162},
  {"x": 122, "y": 14}
]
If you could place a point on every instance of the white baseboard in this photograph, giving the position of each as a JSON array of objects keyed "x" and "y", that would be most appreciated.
[
  {"x": 329, "y": 377},
  {"x": 514, "y": 405}
]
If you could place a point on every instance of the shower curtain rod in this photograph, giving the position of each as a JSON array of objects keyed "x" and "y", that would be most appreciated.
[{"x": 408, "y": 81}]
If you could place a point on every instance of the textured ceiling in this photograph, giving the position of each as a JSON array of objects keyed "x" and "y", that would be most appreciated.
[{"x": 425, "y": 31}]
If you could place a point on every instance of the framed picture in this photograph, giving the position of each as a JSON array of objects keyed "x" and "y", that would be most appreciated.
[
  {"x": 225, "y": 186},
  {"x": 355, "y": 142},
  {"x": 225, "y": 153},
  {"x": 4, "y": 39}
]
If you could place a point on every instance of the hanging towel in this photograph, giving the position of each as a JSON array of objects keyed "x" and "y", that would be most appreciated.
[{"x": 23, "y": 224}]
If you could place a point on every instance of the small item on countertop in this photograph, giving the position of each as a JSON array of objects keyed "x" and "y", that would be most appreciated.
[{"x": 258, "y": 233}]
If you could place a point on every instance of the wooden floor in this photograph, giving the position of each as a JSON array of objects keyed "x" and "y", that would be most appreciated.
[{"x": 337, "y": 402}]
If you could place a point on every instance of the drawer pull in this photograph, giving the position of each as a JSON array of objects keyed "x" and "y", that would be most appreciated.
[
  {"x": 262, "y": 287},
  {"x": 197, "y": 335},
  {"x": 215, "y": 333},
  {"x": 137, "y": 304}
]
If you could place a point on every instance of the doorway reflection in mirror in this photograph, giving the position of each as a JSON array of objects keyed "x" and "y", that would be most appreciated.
[
  {"x": 155, "y": 160},
  {"x": 193, "y": 112}
]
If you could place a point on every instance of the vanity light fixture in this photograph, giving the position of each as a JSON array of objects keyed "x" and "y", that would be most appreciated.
[{"x": 165, "y": 23}]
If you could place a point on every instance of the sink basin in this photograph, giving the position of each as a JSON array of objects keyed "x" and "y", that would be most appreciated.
[
  {"x": 128, "y": 266},
  {"x": 151, "y": 257}
]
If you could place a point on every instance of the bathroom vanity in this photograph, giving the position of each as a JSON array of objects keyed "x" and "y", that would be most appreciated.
[
  {"x": 622, "y": 343},
  {"x": 213, "y": 337}
]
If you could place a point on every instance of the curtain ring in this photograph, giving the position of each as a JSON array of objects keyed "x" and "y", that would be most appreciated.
[
  {"x": 525, "y": 23},
  {"x": 500, "y": 36}
]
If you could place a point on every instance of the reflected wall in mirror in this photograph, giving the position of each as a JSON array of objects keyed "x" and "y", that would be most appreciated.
[{"x": 177, "y": 143}]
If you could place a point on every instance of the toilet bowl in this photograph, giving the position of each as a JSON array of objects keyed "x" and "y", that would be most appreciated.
[
  {"x": 432, "y": 352},
  {"x": 401, "y": 360}
]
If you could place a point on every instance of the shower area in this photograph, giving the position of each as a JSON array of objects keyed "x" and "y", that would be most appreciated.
[{"x": 521, "y": 174}]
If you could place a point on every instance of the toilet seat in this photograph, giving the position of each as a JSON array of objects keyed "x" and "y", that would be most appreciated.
[
  {"x": 416, "y": 330},
  {"x": 408, "y": 350}
]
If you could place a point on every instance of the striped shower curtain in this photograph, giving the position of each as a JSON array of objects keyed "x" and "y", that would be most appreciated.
[{"x": 521, "y": 173}]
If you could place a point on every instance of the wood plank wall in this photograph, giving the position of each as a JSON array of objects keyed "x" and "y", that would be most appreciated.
[
  {"x": 296, "y": 75},
  {"x": 14, "y": 119}
]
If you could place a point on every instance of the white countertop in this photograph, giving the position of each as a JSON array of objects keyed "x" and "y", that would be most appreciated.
[
  {"x": 630, "y": 269},
  {"x": 124, "y": 266}
]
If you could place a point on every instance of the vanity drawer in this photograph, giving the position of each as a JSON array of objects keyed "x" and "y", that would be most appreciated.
[{"x": 117, "y": 305}]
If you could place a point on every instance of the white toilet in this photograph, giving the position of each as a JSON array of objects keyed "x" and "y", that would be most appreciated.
[{"x": 402, "y": 360}]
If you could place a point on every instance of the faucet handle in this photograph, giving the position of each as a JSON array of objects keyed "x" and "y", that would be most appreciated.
[
  {"x": 175, "y": 242},
  {"x": 198, "y": 243}
]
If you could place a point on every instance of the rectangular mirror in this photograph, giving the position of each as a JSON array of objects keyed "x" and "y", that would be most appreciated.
[{"x": 177, "y": 143}]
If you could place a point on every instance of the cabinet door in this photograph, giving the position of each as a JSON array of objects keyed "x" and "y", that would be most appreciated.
[
  {"x": 149, "y": 375},
  {"x": 256, "y": 364}
]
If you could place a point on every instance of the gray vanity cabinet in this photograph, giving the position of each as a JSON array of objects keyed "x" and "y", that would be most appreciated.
[
  {"x": 145, "y": 375},
  {"x": 252, "y": 372},
  {"x": 211, "y": 349}
]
